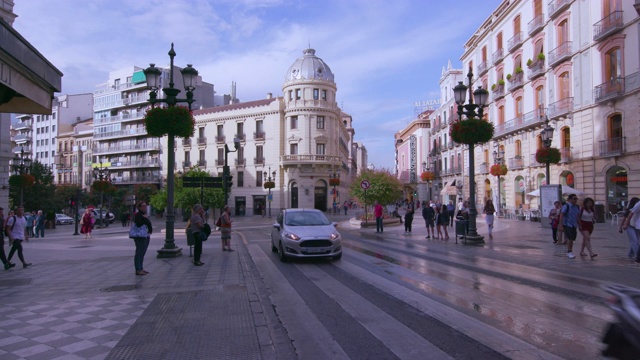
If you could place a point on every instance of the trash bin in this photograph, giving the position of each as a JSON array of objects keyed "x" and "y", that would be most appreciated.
[
  {"x": 599, "y": 213},
  {"x": 462, "y": 227}
]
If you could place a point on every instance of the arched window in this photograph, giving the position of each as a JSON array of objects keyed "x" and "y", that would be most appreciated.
[
  {"x": 499, "y": 41},
  {"x": 613, "y": 64},
  {"x": 484, "y": 54},
  {"x": 486, "y": 156},
  {"x": 501, "y": 115},
  {"x": 537, "y": 7},
  {"x": 518, "y": 148},
  {"x": 517, "y": 26},
  {"x": 565, "y": 138},
  {"x": 564, "y": 88},
  {"x": 518, "y": 106},
  {"x": 563, "y": 32},
  {"x": 540, "y": 97}
]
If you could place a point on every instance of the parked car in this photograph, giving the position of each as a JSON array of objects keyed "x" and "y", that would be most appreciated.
[
  {"x": 62, "y": 219},
  {"x": 106, "y": 215},
  {"x": 305, "y": 233}
]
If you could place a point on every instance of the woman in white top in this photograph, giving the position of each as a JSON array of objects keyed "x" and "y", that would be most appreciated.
[{"x": 586, "y": 219}]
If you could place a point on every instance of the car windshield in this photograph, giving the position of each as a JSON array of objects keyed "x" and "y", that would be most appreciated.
[{"x": 306, "y": 218}]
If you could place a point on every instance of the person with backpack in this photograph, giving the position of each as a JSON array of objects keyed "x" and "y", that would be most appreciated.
[
  {"x": 17, "y": 234},
  {"x": 197, "y": 229},
  {"x": 586, "y": 221},
  {"x": 568, "y": 223}
]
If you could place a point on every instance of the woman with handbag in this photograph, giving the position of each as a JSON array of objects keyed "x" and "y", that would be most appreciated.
[
  {"x": 197, "y": 229},
  {"x": 87, "y": 224},
  {"x": 140, "y": 232},
  {"x": 225, "y": 228}
]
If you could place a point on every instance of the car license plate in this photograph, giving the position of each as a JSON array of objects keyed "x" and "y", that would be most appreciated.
[{"x": 316, "y": 250}]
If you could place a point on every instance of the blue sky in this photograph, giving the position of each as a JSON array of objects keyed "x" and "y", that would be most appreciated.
[{"x": 385, "y": 55}]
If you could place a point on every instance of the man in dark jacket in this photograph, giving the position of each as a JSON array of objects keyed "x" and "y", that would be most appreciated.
[{"x": 428, "y": 214}]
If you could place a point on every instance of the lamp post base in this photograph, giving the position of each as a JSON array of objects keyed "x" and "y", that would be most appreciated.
[
  {"x": 473, "y": 240},
  {"x": 169, "y": 253}
]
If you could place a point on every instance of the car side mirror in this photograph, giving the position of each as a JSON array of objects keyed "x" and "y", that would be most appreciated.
[
  {"x": 276, "y": 226},
  {"x": 335, "y": 224}
]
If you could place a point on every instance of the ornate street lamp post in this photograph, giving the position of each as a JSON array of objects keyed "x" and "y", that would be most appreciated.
[
  {"x": 189, "y": 77},
  {"x": 21, "y": 166},
  {"x": 471, "y": 110},
  {"x": 227, "y": 179},
  {"x": 498, "y": 157},
  {"x": 101, "y": 174},
  {"x": 547, "y": 135},
  {"x": 269, "y": 178},
  {"x": 334, "y": 180}
]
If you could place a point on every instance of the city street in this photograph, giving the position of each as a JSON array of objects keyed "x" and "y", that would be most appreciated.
[{"x": 391, "y": 296}]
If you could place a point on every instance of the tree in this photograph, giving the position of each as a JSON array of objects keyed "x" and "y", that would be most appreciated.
[
  {"x": 185, "y": 198},
  {"x": 38, "y": 197},
  {"x": 385, "y": 187}
]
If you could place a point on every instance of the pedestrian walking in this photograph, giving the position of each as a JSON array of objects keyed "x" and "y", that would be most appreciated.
[
  {"x": 3, "y": 256},
  {"x": 86, "y": 223},
  {"x": 140, "y": 221},
  {"x": 197, "y": 229},
  {"x": 554, "y": 217},
  {"x": 346, "y": 207},
  {"x": 587, "y": 219},
  {"x": 30, "y": 218},
  {"x": 451, "y": 210},
  {"x": 225, "y": 228},
  {"x": 377, "y": 212},
  {"x": 489, "y": 211},
  {"x": 39, "y": 224},
  {"x": 627, "y": 225},
  {"x": 633, "y": 220},
  {"x": 568, "y": 223},
  {"x": 408, "y": 217},
  {"x": 443, "y": 221},
  {"x": 428, "y": 214},
  {"x": 17, "y": 234}
]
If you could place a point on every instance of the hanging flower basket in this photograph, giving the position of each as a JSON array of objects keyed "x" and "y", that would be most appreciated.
[
  {"x": 176, "y": 120},
  {"x": 548, "y": 155},
  {"x": 427, "y": 176},
  {"x": 22, "y": 180},
  {"x": 269, "y": 185},
  {"x": 471, "y": 131},
  {"x": 100, "y": 185},
  {"x": 499, "y": 170},
  {"x": 334, "y": 182}
]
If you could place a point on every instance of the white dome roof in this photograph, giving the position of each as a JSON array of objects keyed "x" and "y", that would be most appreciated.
[{"x": 309, "y": 66}]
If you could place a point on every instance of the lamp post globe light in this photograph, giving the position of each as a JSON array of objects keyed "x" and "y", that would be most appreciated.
[
  {"x": 498, "y": 157},
  {"x": 101, "y": 173},
  {"x": 547, "y": 136},
  {"x": 227, "y": 179},
  {"x": 270, "y": 178},
  {"x": 189, "y": 77},
  {"x": 21, "y": 166},
  {"x": 471, "y": 110}
]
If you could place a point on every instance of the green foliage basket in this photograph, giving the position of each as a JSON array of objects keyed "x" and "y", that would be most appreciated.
[
  {"x": 22, "y": 180},
  {"x": 499, "y": 170},
  {"x": 176, "y": 120},
  {"x": 471, "y": 131}
]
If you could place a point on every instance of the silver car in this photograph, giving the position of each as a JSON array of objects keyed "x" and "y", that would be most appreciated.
[{"x": 303, "y": 233}]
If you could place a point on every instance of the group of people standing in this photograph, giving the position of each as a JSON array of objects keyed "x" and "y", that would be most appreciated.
[{"x": 569, "y": 219}]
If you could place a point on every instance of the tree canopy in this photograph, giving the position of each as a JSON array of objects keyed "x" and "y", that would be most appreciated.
[
  {"x": 385, "y": 187},
  {"x": 185, "y": 198}
]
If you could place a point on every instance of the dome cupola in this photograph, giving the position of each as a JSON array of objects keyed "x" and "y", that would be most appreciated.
[{"x": 309, "y": 66}]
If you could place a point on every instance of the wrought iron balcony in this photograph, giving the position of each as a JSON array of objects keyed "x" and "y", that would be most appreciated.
[
  {"x": 202, "y": 140},
  {"x": 536, "y": 69},
  {"x": 219, "y": 162},
  {"x": 202, "y": 163},
  {"x": 186, "y": 142},
  {"x": 565, "y": 155},
  {"x": 515, "y": 41},
  {"x": 516, "y": 82},
  {"x": 220, "y": 139},
  {"x": 186, "y": 164},
  {"x": 258, "y": 135},
  {"x": 241, "y": 162},
  {"x": 497, "y": 56},
  {"x": 242, "y": 137},
  {"x": 536, "y": 24},
  {"x": 483, "y": 67},
  {"x": 310, "y": 159},
  {"x": 258, "y": 160},
  {"x": 611, "y": 89},
  {"x": 557, "y": 6},
  {"x": 498, "y": 92},
  {"x": 612, "y": 147},
  {"x": 611, "y": 24},
  {"x": 561, "y": 53},
  {"x": 527, "y": 121},
  {"x": 516, "y": 163},
  {"x": 560, "y": 108}
]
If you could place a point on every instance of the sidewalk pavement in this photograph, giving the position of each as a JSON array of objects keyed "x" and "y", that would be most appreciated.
[{"x": 82, "y": 300}]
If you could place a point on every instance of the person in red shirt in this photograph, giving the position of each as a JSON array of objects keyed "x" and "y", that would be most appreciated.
[{"x": 377, "y": 211}]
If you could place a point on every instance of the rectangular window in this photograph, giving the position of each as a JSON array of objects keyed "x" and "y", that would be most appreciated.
[
  {"x": 201, "y": 132},
  {"x": 290, "y": 95},
  {"x": 298, "y": 94},
  {"x": 220, "y": 156},
  {"x": 324, "y": 95},
  {"x": 259, "y": 179},
  {"x": 259, "y": 126},
  {"x": 240, "y": 128},
  {"x": 202, "y": 156},
  {"x": 293, "y": 149},
  {"x": 259, "y": 153},
  {"x": 294, "y": 122},
  {"x": 220, "y": 130},
  {"x": 187, "y": 156},
  {"x": 240, "y": 179},
  {"x": 316, "y": 94},
  {"x": 320, "y": 149},
  {"x": 320, "y": 122}
]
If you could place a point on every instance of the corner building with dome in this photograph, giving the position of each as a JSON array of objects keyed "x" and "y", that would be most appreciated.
[{"x": 301, "y": 140}]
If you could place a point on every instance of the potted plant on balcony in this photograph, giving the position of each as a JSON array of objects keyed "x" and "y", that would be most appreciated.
[
  {"x": 549, "y": 155},
  {"x": 499, "y": 170},
  {"x": 176, "y": 120},
  {"x": 509, "y": 77},
  {"x": 519, "y": 70},
  {"x": 494, "y": 87},
  {"x": 501, "y": 82},
  {"x": 471, "y": 131},
  {"x": 529, "y": 62},
  {"x": 427, "y": 176},
  {"x": 540, "y": 57}
]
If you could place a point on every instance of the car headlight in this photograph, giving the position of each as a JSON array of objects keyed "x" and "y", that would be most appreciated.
[
  {"x": 292, "y": 236},
  {"x": 335, "y": 236}
]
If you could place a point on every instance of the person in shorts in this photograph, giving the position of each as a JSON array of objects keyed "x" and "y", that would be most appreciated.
[
  {"x": 428, "y": 214},
  {"x": 568, "y": 223}
]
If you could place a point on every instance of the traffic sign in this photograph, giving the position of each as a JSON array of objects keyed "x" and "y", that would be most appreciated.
[
  {"x": 205, "y": 182},
  {"x": 365, "y": 184}
]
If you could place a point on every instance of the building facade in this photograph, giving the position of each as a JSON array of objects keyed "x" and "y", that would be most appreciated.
[
  {"x": 576, "y": 65},
  {"x": 74, "y": 157},
  {"x": 120, "y": 139},
  {"x": 411, "y": 149},
  {"x": 303, "y": 138}
]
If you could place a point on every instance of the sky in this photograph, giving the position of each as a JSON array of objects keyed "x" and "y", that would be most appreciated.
[{"x": 385, "y": 55}]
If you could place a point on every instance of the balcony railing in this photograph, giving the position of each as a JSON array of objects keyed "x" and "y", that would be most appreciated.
[
  {"x": 536, "y": 24},
  {"x": 202, "y": 140},
  {"x": 21, "y": 138},
  {"x": 258, "y": 160},
  {"x": 524, "y": 122},
  {"x": 125, "y": 148},
  {"x": 612, "y": 147},
  {"x": 497, "y": 56},
  {"x": 299, "y": 159},
  {"x": 565, "y": 155},
  {"x": 515, "y": 41},
  {"x": 610, "y": 90},
  {"x": 241, "y": 162},
  {"x": 561, "y": 53},
  {"x": 154, "y": 162},
  {"x": 560, "y": 108},
  {"x": 202, "y": 163},
  {"x": 186, "y": 164},
  {"x": 219, "y": 162},
  {"x": 483, "y": 168},
  {"x": 121, "y": 102},
  {"x": 19, "y": 149},
  {"x": 220, "y": 139},
  {"x": 124, "y": 116},
  {"x": 611, "y": 24},
  {"x": 242, "y": 137},
  {"x": 534, "y": 162},
  {"x": 482, "y": 68},
  {"x": 516, "y": 82},
  {"x": 536, "y": 69},
  {"x": 104, "y": 88},
  {"x": 556, "y": 6},
  {"x": 516, "y": 163},
  {"x": 186, "y": 142},
  {"x": 122, "y": 180},
  {"x": 498, "y": 92},
  {"x": 258, "y": 135},
  {"x": 121, "y": 133}
]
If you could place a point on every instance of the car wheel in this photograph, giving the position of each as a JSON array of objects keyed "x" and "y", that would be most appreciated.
[
  {"x": 338, "y": 257},
  {"x": 273, "y": 248},
  {"x": 58, "y": 222},
  {"x": 281, "y": 255}
]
